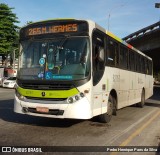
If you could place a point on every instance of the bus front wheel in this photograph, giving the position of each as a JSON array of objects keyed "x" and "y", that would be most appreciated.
[{"x": 106, "y": 117}]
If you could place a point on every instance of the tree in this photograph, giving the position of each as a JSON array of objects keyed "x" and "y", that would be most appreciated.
[{"x": 8, "y": 30}]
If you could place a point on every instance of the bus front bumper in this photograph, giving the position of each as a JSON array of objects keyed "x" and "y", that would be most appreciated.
[{"x": 80, "y": 109}]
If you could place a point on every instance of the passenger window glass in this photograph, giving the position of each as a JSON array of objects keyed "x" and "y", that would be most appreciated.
[
  {"x": 123, "y": 57},
  {"x": 112, "y": 53},
  {"x": 98, "y": 56}
]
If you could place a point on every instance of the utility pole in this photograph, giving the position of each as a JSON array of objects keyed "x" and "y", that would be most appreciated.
[{"x": 110, "y": 12}]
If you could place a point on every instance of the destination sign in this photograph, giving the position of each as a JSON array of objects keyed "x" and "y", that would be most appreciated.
[
  {"x": 48, "y": 29},
  {"x": 52, "y": 29}
]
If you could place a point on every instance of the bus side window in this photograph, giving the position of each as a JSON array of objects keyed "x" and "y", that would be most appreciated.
[
  {"x": 112, "y": 53},
  {"x": 98, "y": 53},
  {"x": 139, "y": 63},
  {"x": 136, "y": 62},
  {"x": 98, "y": 56},
  {"x": 143, "y": 65},
  {"x": 147, "y": 67},
  {"x": 131, "y": 60},
  {"x": 150, "y": 67},
  {"x": 123, "y": 57}
]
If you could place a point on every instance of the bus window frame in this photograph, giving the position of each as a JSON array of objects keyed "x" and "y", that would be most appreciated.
[
  {"x": 115, "y": 48},
  {"x": 98, "y": 72}
]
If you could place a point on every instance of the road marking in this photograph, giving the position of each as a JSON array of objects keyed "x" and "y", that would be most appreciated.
[
  {"x": 110, "y": 141},
  {"x": 138, "y": 131}
]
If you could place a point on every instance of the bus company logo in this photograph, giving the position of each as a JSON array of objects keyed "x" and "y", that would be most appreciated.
[
  {"x": 43, "y": 94},
  {"x": 6, "y": 149}
]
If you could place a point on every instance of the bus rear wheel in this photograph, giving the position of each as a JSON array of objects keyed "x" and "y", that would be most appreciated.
[
  {"x": 106, "y": 117},
  {"x": 142, "y": 102}
]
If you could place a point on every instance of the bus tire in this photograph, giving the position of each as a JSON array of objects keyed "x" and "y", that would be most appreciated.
[
  {"x": 106, "y": 117},
  {"x": 114, "y": 107},
  {"x": 142, "y": 102}
]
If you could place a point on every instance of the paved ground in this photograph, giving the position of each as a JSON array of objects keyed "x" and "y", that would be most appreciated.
[{"x": 131, "y": 127}]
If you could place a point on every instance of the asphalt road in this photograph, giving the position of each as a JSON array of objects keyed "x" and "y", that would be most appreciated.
[{"x": 132, "y": 126}]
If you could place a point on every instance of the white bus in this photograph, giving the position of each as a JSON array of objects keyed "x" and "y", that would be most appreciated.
[{"x": 71, "y": 68}]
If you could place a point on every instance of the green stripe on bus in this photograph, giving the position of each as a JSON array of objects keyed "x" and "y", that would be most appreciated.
[{"x": 48, "y": 93}]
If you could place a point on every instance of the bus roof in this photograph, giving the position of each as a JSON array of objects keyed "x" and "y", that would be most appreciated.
[
  {"x": 120, "y": 40},
  {"x": 99, "y": 27},
  {"x": 49, "y": 20}
]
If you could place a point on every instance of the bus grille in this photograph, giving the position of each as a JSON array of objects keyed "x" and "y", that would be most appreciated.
[
  {"x": 47, "y": 86},
  {"x": 46, "y": 99}
]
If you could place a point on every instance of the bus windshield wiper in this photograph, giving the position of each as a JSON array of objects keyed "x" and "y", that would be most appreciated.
[
  {"x": 61, "y": 43},
  {"x": 55, "y": 51}
]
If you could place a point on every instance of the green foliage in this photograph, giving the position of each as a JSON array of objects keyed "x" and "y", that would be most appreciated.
[{"x": 8, "y": 30}]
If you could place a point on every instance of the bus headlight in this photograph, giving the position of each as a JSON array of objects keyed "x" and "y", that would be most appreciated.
[
  {"x": 75, "y": 98},
  {"x": 70, "y": 100},
  {"x": 20, "y": 97},
  {"x": 81, "y": 94},
  {"x": 17, "y": 93}
]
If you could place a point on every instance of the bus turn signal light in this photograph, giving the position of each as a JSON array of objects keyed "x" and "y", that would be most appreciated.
[{"x": 86, "y": 91}]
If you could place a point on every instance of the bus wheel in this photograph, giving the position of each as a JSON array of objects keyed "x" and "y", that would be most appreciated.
[
  {"x": 106, "y": 117},
  {"x": 142, "y": 102}
]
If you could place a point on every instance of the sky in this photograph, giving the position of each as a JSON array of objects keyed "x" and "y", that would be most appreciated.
[{"x": 121, "y": 17}]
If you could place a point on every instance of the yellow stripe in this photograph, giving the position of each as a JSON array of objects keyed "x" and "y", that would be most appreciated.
[
  {"x": 138, "y": 131},
  {"x": 114, "y": 36},
  {"x": 48, "y": 93}
]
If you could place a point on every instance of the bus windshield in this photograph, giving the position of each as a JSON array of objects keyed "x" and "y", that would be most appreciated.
[{"x": 66, "y": 58}]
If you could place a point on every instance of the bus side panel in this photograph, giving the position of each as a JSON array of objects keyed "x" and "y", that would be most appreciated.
[
  {"x": 147, "y": 89},
  {"x": 136, "y": 89},
  {"x": 111, "y": 80},
  {"x": 124, "y": 89},
  {"x": 141, "y": 85},
  {"x": 148, "y": 86},
  {"x": 100, "y": 99},
  {"x": 132, "y": 88}
]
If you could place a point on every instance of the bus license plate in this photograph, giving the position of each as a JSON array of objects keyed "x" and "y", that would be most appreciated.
[{"x": 42, "y": 109}]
